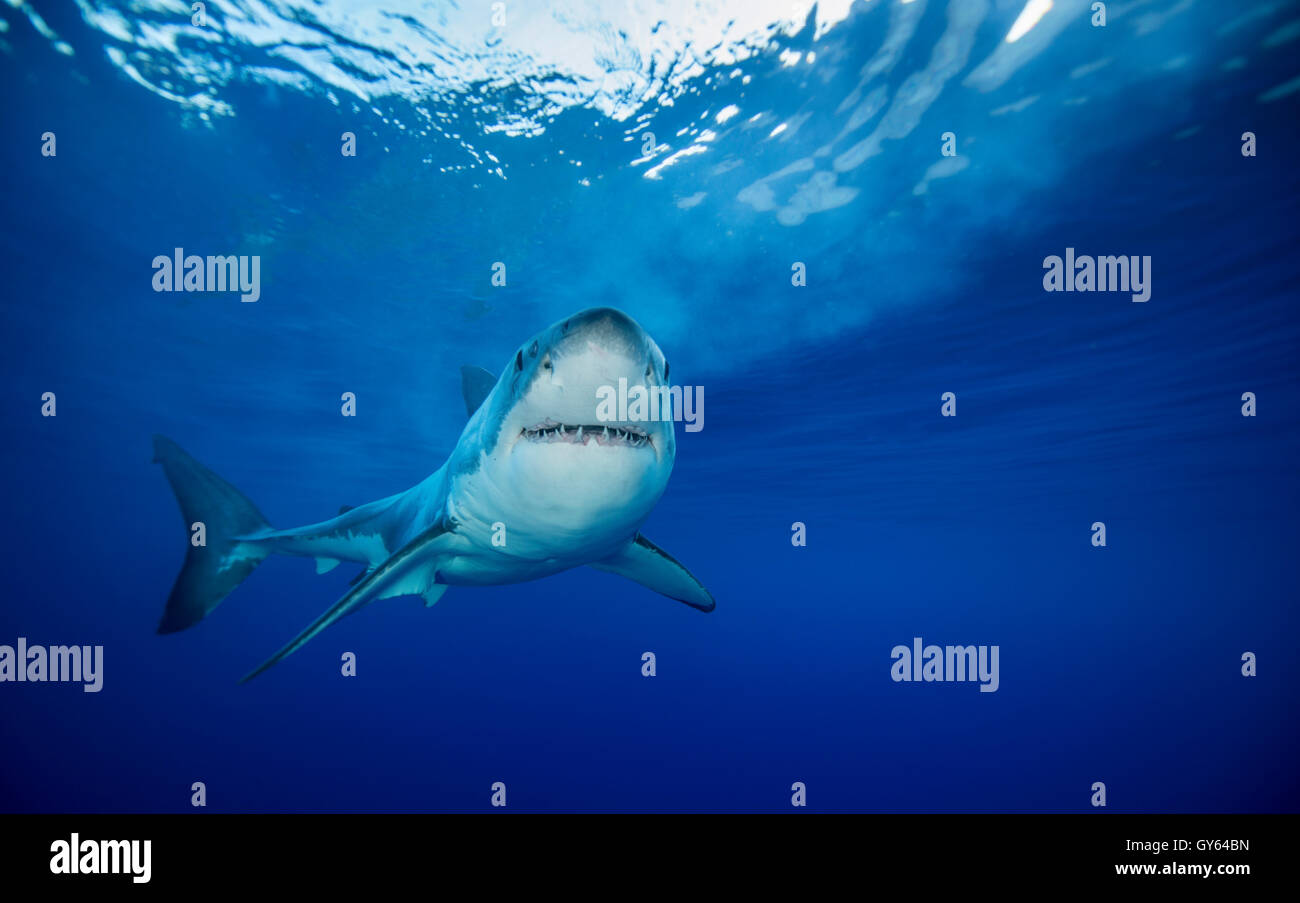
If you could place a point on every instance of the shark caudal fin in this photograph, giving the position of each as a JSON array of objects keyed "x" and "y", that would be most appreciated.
[{"x": 214, "y": 568}]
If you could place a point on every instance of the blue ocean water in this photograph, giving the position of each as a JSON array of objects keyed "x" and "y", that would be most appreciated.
[{"x": 526, "y": 143}]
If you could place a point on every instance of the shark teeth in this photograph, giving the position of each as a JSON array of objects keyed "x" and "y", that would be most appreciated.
[{"x": 585, "y": 434}]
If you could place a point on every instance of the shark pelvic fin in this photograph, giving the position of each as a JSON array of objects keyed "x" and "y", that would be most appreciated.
[
  {"x": 325, "y": 565},
  {"x": 433, "y": 594},
  {"x": 645, "y": 563}
]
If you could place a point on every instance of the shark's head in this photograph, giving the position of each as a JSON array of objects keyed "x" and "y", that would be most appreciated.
[{"x": 565, "y": 442}]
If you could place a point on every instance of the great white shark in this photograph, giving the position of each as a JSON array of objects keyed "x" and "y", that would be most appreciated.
[{"x": 535, "y": 469}]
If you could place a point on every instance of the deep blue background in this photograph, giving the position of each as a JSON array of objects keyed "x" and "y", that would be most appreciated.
[{"x": 822, "y": 406}]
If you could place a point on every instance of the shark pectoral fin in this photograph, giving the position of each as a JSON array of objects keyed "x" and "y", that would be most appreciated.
[
  {"x": 403, "y": 573},
  {"x": 645, "y": 563},
  {"x": 433, "y": 594},
  {"x": 325, "y": 565}
]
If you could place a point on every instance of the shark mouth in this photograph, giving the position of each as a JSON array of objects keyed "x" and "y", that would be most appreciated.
[{"x": 584, "y": 434}]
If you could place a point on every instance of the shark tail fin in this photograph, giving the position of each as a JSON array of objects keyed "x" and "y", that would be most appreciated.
[{"x": 220, "y": 561}]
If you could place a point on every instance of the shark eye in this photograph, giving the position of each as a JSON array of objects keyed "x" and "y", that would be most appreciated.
[
  {"x": 546, "y": 363},
  {"x": 519, "y": 360}
]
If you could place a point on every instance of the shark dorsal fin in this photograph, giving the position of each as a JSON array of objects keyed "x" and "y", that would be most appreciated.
[{"x": 476, "y": 384}]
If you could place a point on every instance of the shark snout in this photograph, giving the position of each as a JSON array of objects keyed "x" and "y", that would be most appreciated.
[
  {"x": 605, "y": 330},
  {"x": 606, "y": 345}
]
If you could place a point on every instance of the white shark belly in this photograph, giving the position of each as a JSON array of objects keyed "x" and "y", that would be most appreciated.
[{"x": 510, "y": 537}]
